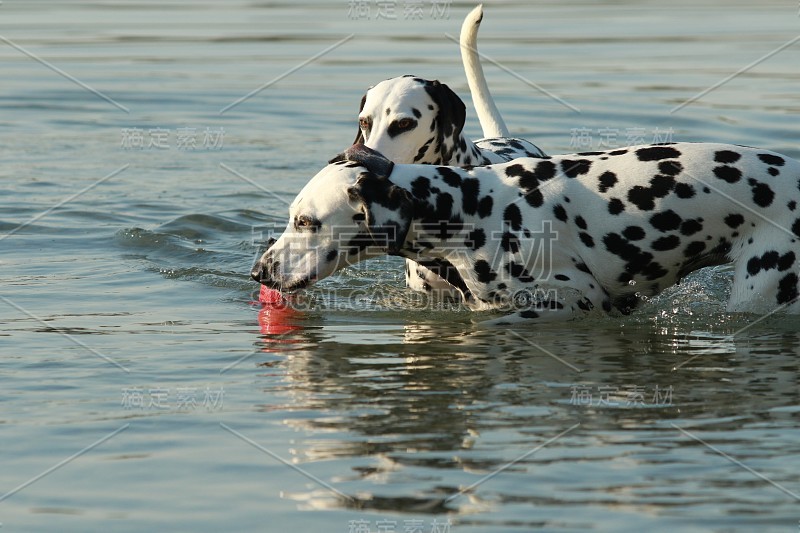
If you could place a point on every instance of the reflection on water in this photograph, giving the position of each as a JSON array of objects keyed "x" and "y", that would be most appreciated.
[{"x": 438, "y": 408}]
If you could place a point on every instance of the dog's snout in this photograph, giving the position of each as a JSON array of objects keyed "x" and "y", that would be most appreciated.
[
  {"x": 265, "y": 270},
  {"x": 260, "y": 271},
  {"x": 257, "y": 272}
]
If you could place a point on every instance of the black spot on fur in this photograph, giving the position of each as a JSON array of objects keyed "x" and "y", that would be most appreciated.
[
  {"x": 560, "y": 213},
  {"x": 663, "y": 244},
  {"x": 485, "y": 206},
  {"x": 694, "y": 248},
  {"x": 580, "y": 222},
  {"x": 475, "y": 239},
  {"x": 421, "y": 187},
  {"x": 509, "y": 242},
  {"x": 753, "y": 266},
  {"x": 450, "y": 176},
  {"x": 769, "y": 260},
  {"x": 513, "y": 217},
  {"x": 561, "y": 277},
  {"x": 530, "y": 181},
  {"x": 440, "y": 221},
  {"x": 331, "y": 255},
  {"x": 586, "y": 239},
  {"x": 574, "y": 168},
  {"x": 644, "y": 197},
  {"x": 633, "y": 233},
  {"x": 786, "y": 261},
  {"x": 727, "y": 156},
  {"x": 666, "y": 221},
  {"x": 729, "y": 174},
  {"x": 519, "y": 272},
  {"x": 762, "y": 193},
  {"x": 670, "y": 168},
  {"x": 796, "y": 227},
  {"x": 607, "y": 180},
  {"x": 615, "y": 206},
  {"x": 787, "y": 288},
  {"x": 772, "y": 159},
  {"x": 692, "y": 226},
  {"x": 620, "y": 247},
  {"x": 484, "y": 271},
  {"x": 773, "y": 171},
  {"x": 734, "y": 220},
  {"x": 684, "y": 190},
  {"x": 792, "y": 205},
  {"x": 618, "y": 152},
  {"x": 656, "y": 153}
]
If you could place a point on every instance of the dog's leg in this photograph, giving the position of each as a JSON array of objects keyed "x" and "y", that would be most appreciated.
[
  {"x": 766, "y": 274},
  {"x": 577, "y": 296},
  {"x": 421, "y": 278}
]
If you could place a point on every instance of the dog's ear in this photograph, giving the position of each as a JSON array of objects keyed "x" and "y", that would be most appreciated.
[
  {"x": 452, "y": 111},
  {"x": 368, "y": 158},
  {"x": 359, "y": 133},
  {"x": 388, "y": 210}
]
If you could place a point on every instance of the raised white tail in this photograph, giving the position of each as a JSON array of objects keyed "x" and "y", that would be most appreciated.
[{"x": 491, "y": 122}]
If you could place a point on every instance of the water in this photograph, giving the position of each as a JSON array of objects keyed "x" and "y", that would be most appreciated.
[{"x": 142, "y": 389}]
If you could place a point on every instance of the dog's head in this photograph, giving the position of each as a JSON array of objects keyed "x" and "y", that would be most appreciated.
[
  {"x": 411, "y": 120},
  {"x": 348, "y": 212}
]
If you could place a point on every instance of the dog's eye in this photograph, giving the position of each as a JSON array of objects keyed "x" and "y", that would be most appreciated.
[
  {"x": 364, "y": 123},
  {"x": 304, "y": 222},
  {"x": 400, "y": 126}
]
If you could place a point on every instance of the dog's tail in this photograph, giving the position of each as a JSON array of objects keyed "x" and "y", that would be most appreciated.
[{"x": 491, "y": 122}]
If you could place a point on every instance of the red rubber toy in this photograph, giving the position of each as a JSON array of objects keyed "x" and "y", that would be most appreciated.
[{"x": 269, "y": 296}]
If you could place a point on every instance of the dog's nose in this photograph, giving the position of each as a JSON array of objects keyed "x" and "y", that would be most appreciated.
[{"x": 258, "y": 272}]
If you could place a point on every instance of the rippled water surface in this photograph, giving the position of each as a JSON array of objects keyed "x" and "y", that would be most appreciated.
[{"x": 142, "y": 389}]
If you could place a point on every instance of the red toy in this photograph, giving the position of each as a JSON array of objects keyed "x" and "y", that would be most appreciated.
[
  {"x": 275, "y": 316},
  {"x": 269, "y": 296}
]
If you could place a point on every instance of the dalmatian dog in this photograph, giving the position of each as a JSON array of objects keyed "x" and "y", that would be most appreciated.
[
  {"x": 549, "y": 239},
  {"x": 412, "y": 120}
]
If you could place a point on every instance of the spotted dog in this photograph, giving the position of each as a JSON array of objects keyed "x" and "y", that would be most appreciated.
[
  {"x": 625, "y": 221},
  {"x": 409, "y": 119},
  {"x": 413, "y": 120}
]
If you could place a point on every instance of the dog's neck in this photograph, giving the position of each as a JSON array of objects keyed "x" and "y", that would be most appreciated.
[
  {"x": 469, "y": 155},
  {"x": 444, "y": 151},
  {"x": 440, "y": 225}
]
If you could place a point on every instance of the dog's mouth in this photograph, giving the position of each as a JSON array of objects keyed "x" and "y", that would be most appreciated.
[{"x": 284, "y": 288}]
